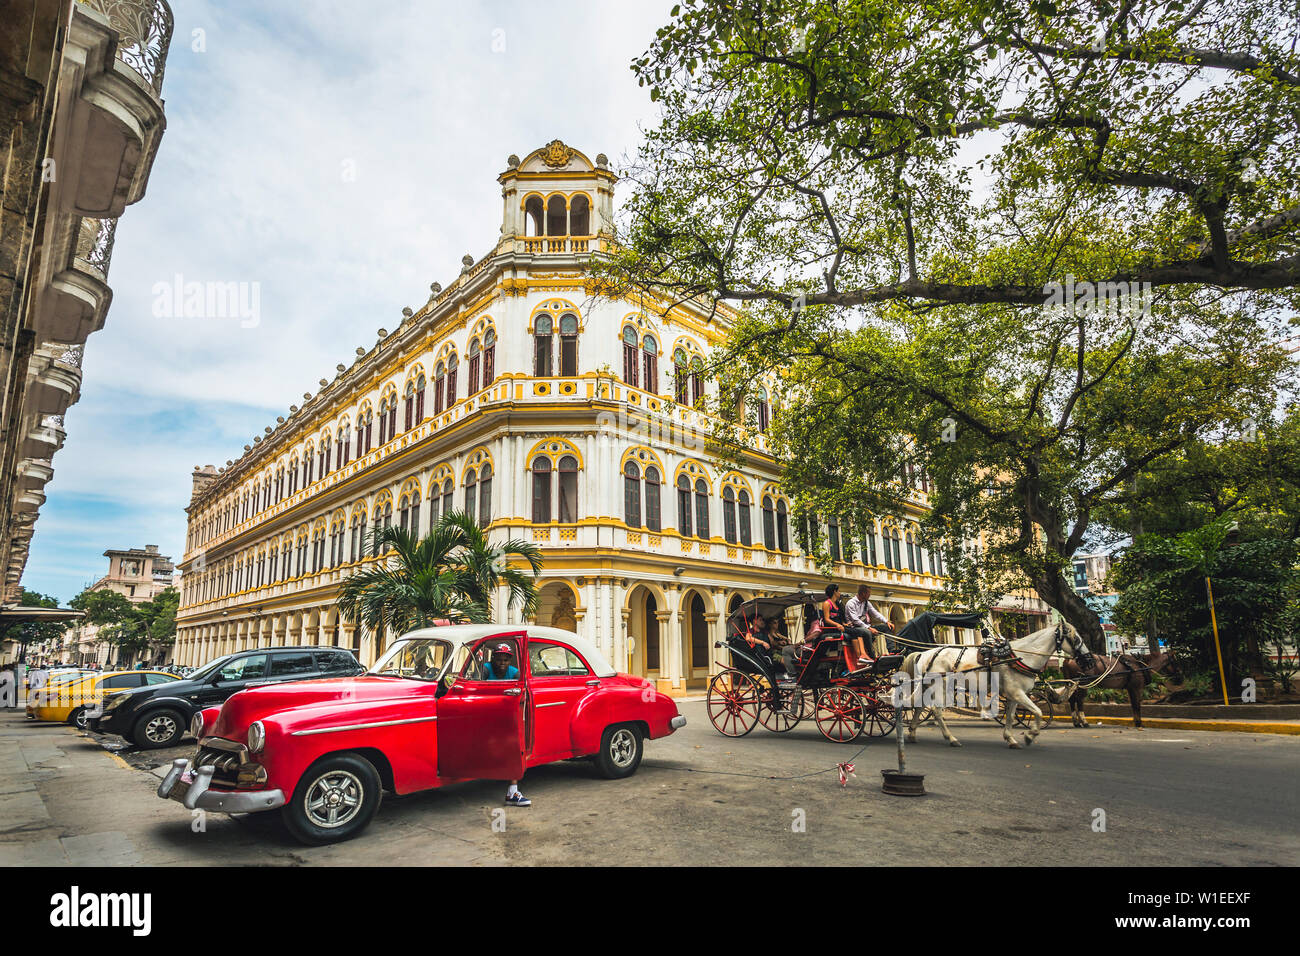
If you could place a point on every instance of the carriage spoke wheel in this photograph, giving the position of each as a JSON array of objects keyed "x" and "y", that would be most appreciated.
[
  {"x": 880, "y": 715},
  {"x": 733, "y": 703},
  {"x": 840, "y": 714},
  {"x": 782, "y": 709},
  {"x": 1025, "y": 718}
]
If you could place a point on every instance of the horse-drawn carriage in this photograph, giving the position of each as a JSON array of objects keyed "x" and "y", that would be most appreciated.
[{"x": 827, "y": 685}]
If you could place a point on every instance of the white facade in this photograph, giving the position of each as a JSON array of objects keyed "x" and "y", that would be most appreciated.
[{"x": 651, "y": 599}]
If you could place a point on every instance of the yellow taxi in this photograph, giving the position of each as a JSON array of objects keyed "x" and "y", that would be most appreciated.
[{"x": 80, "y": 698}]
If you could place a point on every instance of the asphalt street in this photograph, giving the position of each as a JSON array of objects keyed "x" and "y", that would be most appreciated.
[{"x": 1164, "y": 797}]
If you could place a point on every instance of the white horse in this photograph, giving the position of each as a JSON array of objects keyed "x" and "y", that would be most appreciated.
[{"x": 1016, "y": 676}]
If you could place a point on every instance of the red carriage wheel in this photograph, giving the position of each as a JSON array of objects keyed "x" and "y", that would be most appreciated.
[
  {"x": 840, "y": 714},
  {"x": 733, "y": 703},
  {"x": 880, "y": 715},
  {"x": 783, "y": 712}
]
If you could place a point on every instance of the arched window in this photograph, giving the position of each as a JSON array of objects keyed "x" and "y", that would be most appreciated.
[
  {"x": 557, "y": 216},
  {"x": 729, "y": 515},
  {"x": 439, "y": 382},
  {"x": 629, "y": 356},
  {"x": 745, "y": 531},
  {"x": 769, "y": 524},
  {"x": 579, "y": 216},
  {"x": 272, "y": 555},
  {"x": 383, "y": 421},
  {"x": 324, "y": 456},
  {"x": 652, "y": 519},
  {"x": 680, "y": 376},
  {"x": 474, "y": 363},
  {"x": 471, "y": 493},
  {"x": 782, "y": 527},
  {"x": 632, "y": 495},
  {"x": 392, "y": 416},
  {"x": 568, "y": 490},
  {"x": 388, "y": 519},
  {"x": 764, "y": 411},
  {"x": 568, "y": 345},
  {"x": 435, "y": 497},
  {"x": 452, "y": 364},
  {"x": 697, "y": 380},
  {"x": 358, "y": 536},
  {"x": 409, "y": 515},
  {"x": 543, "y": 332},
  {"x": 447, "y": 491},
  {"x": 701, "y": 509},
  {"x": 650, "y": 364},
  {"x": 684, "y": 506},
  {"x": 489, "y": 357},
  {"x": 834, "y": 525},
  {"x": 341, "y": 445},
  {"x": 534, "y": 217},
  {"x": 541, "y": 490},
  {"x": 419, "y": 398},
  {"x": 293, "y": 476},
  {"x": 868, "y": 530},
  {"x": 409, "y": 407},
  {"x": 485, "y": 495}
]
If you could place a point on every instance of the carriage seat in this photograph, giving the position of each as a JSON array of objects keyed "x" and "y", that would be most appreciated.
[{"x": 887, "y": 664}]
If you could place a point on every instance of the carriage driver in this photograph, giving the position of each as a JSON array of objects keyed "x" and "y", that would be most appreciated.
[{"x": 861, "y": 614}]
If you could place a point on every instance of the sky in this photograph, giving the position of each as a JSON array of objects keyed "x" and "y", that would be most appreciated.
[{"x": 332, "y": 159}]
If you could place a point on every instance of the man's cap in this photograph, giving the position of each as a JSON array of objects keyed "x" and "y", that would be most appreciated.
[{"x": 503, "y": 649}]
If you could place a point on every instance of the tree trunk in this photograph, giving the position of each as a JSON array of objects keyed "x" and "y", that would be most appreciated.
[{"x": 1053, "y": 588}]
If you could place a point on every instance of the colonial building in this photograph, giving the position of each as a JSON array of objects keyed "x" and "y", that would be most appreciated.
[
  {"x": 81, "y": 117},
  {"x": 139, "y": 575},
  {"x": 550, "y": 413}
]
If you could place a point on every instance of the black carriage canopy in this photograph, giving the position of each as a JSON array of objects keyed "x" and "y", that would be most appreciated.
[
  {"x": 772, "y": 608},
  {"x": 920, "y": 629}
]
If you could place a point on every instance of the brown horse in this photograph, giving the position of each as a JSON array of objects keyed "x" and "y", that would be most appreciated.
[{"x": 1132, "y": 673}]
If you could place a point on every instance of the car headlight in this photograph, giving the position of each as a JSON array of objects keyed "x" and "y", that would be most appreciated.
[
  {"x": 256, "y": 737},
  {"x": 196, "y": 725},
  {"x": 116, "y": 701}
]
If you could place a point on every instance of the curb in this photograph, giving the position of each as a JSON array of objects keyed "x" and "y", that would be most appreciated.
[{"x": 1173, "y": 723}]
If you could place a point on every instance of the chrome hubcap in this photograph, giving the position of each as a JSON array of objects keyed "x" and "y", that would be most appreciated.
[
  {"x": 160, "y": 729},
  {"x": 333, "y": 799},
  {"x": 622, "y": 747}
]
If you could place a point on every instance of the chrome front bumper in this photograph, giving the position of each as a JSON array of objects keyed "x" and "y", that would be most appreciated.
[
  {"x": 194, "y": 791},
  {"x": 677, "y": 723}
]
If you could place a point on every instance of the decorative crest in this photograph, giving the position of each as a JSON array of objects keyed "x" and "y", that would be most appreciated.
[{"x": 555, "y": 154}]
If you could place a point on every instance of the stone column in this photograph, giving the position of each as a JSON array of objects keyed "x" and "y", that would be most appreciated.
[{"x": 671, "y": 640}]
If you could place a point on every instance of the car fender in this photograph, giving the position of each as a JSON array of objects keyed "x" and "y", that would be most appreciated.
[
  {"x": 186, "y": 707},
  {"x": 621, "y": 704}
]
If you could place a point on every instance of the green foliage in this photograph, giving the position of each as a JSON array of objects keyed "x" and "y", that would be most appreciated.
[
  {"x": 33, "y": 632},
  {"x": 820, "y": 165},
  {"x": 135, "y": 628},
  {"x": 1161, "y": 581},
  {"x": 452, "y": 572}
]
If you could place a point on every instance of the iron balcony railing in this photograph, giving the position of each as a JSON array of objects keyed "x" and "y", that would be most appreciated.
[
  {"x": 144, "y": 30},
  {"x": 95, "y": 244}
]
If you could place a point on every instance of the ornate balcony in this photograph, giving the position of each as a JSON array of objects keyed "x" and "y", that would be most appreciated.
[
  {"x": 112, "y": 77},
  {"x": 144, "y": 29}
]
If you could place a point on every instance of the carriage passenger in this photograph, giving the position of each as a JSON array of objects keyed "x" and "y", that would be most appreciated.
[
  {"x": 832, "y": 616},
  {"x": 760, "y": 635}
]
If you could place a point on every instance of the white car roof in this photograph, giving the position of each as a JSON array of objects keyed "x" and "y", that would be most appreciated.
[{"x": 460, "y": 634}]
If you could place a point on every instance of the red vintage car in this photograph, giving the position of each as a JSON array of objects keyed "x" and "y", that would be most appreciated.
[{"x": 428, "y": 714}]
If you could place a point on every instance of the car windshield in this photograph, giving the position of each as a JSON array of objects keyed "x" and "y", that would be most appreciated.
[
  {"x": 207, "y": 670},
  {"x": 418, "y": 658}
]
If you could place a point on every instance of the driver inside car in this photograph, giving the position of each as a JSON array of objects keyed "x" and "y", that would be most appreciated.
[{"x": 502, "y": 669}]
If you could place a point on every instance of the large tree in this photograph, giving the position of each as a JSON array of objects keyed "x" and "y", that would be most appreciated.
[{"x": 1031, "y": 251}]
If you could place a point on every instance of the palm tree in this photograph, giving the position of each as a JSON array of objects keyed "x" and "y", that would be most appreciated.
[
  {"x": 450, "y": 573},
  {"x": 486, "y": 567}
]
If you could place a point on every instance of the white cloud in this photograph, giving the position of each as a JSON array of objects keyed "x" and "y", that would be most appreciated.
[{"x": 248, "y": 186}]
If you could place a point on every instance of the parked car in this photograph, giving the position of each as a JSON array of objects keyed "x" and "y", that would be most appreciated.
[
  {"x": 48, "y": 676},
  {"x": 75, "y": 699},
  {"x": 154, "y": 717},
  {"x": 429, "y": 713}
]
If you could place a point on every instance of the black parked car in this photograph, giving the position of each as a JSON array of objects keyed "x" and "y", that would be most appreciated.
[{"x": 159, "y": 716}]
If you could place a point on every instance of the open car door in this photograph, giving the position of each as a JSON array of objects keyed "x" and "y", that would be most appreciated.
[{"x": 481, "y": 719}]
